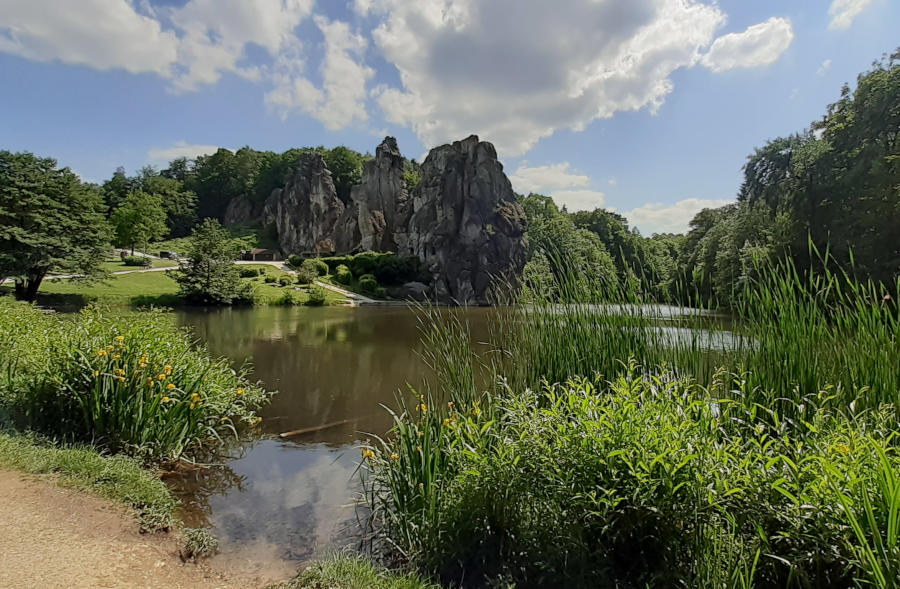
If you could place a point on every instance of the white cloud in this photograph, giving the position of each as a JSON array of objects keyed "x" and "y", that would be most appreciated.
[
  {"x": 103, "y": 34},
  {"x": 215, "y": 34},
  {"x": 468, "y": 66},
  {"x": 659, "y": 218},
  {"x": 579, "y": 200},
  {"x": 823, "y": 69},
  {"x": 341, "y": 100},
  {"x": 546, "y": 178},
  {"x": 758, "y": 45},
  {"x": 163, "y": 155},
  {"x": 842, "y": 12}
]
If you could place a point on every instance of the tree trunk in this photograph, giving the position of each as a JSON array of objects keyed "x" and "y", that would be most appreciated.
[{"x": 27, "y": 288}]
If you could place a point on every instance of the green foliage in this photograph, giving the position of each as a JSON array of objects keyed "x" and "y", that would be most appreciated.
[
  {"x": 352, "y": 571},
  {"x": 141, "y": 261},
  {"x": 368, "y": 284},
  {"x": 387, "y": 268},
  {"x": 210, "y": 276},
  {"x": 285, "y": 280},
  {"x": 321, "y": 267},
  {"x": 134, "y": 383},
  {"x": 346, "y": 167},
  {"x": 179, "y": 204},
  {"x": 197, "y": 543},
  {"x": 308, "y": 271},
  {"x": 270, "y": 279},
  {"x": 317, "y": 296},
  {"x": 343, "y": 275},
  {"x": 288, "y": 298},
  {"x": 245, "y": 272},
  {"x": 139, "y": 219},
  {"x": 49, "y": 222},
  {"x": 118, "y": 478},
  {"x": 294, "y": 260}
]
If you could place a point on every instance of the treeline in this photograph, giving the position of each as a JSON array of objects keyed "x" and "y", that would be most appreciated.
[{"x": 829, "y": 195}]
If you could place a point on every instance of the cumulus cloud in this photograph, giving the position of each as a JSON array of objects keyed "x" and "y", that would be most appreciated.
[
  {"x": 659, "y": 218},
  {"x": 341, "y": 100},
  {"x": 759, "y": 45},
  {"x": 842, "y": 12},
  {"x": 467, "y": 66},
  {"x": 538, "y": 179},
  {"x": 823, "y": 69},
  {"x": 103, "y": 34},
  {"x": 163, "y": 155},
  {"x": 579, "y": 200}
]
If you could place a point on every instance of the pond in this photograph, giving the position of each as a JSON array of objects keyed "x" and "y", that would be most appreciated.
[{"x": 279, "y": 502}]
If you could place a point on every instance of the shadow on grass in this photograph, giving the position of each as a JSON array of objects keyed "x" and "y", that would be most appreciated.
[{"x": 163, "y": 300}]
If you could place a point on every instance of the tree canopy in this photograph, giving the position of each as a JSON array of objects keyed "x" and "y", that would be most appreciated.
[{"x": 49, "y": 222}]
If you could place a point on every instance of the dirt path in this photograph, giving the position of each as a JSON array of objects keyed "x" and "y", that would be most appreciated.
[{"x": 52, "y": 537}]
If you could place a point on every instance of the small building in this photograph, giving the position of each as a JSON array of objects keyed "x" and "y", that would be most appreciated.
[{"x": 260, "y": 254}]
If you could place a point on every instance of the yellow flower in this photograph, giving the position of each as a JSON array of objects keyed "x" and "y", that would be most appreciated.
[
  {"x": 259, "y": 420},
  {"x": 121, "y": 379},
  {"x": 476, "y": 411},
  {"x": 150, "y": 380},
  {"x": 450, "y": 405},
  {"x": 144, "y": 360},
  {"x": 117, "y": 357},
  {"x": 109, "y": 348},
  {"x": 192, "y": 405},
  {"x": 165, "y": 399},
  {"x": 120, "y": 338},
  {"x": 96, "y": 373},
  {"x": 418, "y": 448},
  {"x": 101, "y": 352},
  {"x": 368, "y": 453},
  {"x": 395, "y": 456},
  {"x": 447, "y": 421},
  {"x": 161, "y": 377},
  {"x": 240, "y": 391},
  {"x": 423, "y": 408},
  {"x": 142, "y": 365},
  {"x": 167, "y": 369},
  {"x": 170, "y": 386},
  {"x": 195, "y": 397}
]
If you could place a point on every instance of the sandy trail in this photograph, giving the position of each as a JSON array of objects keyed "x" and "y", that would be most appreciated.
[{"x": 51, "y": 537}]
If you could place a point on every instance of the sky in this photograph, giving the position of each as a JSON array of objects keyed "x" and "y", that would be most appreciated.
[{"x": 646, "y": 107}]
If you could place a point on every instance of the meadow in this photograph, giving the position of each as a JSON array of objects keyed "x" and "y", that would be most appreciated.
[{"x": 611, "y": 444}]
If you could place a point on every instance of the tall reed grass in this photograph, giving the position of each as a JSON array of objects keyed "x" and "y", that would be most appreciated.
[{"x": 597, "y": 441}]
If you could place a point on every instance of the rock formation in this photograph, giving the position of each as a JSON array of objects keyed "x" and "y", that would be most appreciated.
[
  {"x": 306, "y": 211},
  {"x": 461, "y": 220}
]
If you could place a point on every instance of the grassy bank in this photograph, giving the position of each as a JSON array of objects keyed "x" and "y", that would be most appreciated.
[
  {"x": 610, "y": 445},
  {"x": 117, "y": 478},
  {"x": 349, "y": 571}
]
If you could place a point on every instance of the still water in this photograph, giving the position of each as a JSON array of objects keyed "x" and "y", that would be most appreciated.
[{"x": 280, "y": 502}]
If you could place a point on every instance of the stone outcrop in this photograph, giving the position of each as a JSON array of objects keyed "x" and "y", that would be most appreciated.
[
  {"x": 461, "y": 219},
  {"x": 305, "y": 213}
]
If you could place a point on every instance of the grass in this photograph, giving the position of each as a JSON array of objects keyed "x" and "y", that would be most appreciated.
[
  {"x": 595, "y": 445},
  {"x": 117, "y": 478},
  {"x": 132, "y": 383},
  {"x": 116, "y": 265},
  {"x": 135, "y": 289},
  {"x": 351, "y": 571}
]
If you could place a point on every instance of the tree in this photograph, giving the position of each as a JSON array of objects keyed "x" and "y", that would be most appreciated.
[
  {"x": 49, "y": 221},
  {"x": 346, "y": 167},
  {"x": 139, "y": 219},
  {"x": 179, "y": 205},
  {"x": 210, "y": 276}
]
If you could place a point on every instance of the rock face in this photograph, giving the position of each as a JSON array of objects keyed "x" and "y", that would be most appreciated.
[
  {"x": 461, "y": 219},
  {"x": 306, "y": 211}
]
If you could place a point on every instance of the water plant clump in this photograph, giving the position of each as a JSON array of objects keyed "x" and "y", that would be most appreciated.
[
  {"x": 132, "y": 383},
  {"x": 603, "y": 443}
]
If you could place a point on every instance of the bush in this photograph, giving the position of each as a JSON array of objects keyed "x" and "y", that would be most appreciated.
[
  {"x": 269, "y": 279},
  {"x": 316, "y": 296},
  {"x": 294, "y": 261},
  {"x": 141, "y": 261},
  {"x": 285, "y": 280},
  {"x": 343, "y": 275},
  {"x": 245, "y": 295},
  {"x": 321, "y": 267},
  {"x": 248, "y": 272},
  {"x": 387, "y": 268},
  {"x": 132, "y": 383},
  {"x": 197, "y": 543},
  {"x": 368, "y": 284},
  {"x": 288, "y": 298},
  {"x": 308, "y": 272}
]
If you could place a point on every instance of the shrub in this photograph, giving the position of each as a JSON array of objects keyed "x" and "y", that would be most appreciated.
[
  {"x": 294, "y": 261},
  {"x": 197, "y": 543},
  {"x": 321, "y": 267},
  {"x": 245, "y": 295},
  {"x": 368, "y": 284},
  {"x": 248, "y": 272},
  {"x": 343, "y": 275},
  {"x": 141, "y": 261},
  {"x": 133, "y": 383},
  {"x": 316, "y": 296},
  {"x": 387, "y": 268},
  {"x": 288, "y": 298},
  {"x": 308, "y": 272},
  {"x": 269, "y": 279},
  {"x": 285, "y": 280}
]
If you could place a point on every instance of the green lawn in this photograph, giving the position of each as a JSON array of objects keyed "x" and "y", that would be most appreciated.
[
  {"x": 158, "y": 289},
  {"x": 116, "y": 265}
]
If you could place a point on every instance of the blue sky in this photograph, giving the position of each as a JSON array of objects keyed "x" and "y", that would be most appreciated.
[{"x": 648, "y": 107}]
